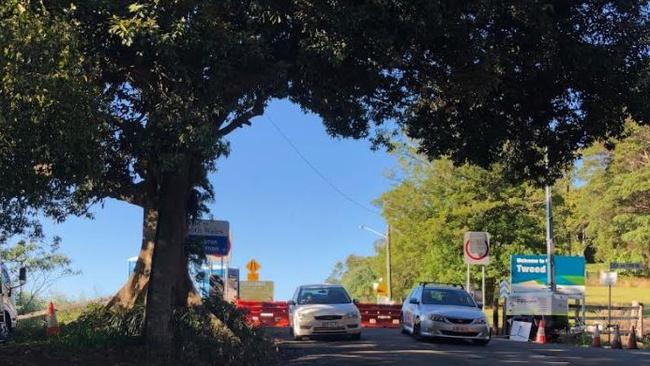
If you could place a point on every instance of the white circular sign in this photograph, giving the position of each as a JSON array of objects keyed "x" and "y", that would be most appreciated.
[{"x": 476, "y": 247}]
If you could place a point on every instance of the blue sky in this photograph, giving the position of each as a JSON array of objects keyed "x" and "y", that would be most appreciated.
[{"x": 280, "y": 211}]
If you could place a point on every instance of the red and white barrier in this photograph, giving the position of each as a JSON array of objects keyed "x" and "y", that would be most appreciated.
[{"x": 276, "y": 314}]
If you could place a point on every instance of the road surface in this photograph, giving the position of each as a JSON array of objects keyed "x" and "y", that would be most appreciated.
[{"x": 379, "y": 347}]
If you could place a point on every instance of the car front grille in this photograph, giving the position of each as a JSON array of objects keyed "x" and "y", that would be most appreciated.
[
  {"x": 459, "y": 320},
  {"x": 458, "y": 334},
  {"x": 328, "y": 317},
  {"x": 328, "y": 329}
]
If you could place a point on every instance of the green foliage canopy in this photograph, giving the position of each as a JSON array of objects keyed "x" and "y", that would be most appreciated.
[{"x": 612, "y": 206}]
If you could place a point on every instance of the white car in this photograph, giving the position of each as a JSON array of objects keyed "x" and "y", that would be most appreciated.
[
  {"x": 8, "y": 313},
  {"x": 444, "y": 311},
  {"x": 323, "y": 310}
]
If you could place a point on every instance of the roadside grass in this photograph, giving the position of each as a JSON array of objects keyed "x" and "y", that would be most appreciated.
[{"x": 620, "y": 295}]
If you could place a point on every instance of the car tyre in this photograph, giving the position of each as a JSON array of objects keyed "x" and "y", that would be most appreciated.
[{"x": 401, "y": 325}]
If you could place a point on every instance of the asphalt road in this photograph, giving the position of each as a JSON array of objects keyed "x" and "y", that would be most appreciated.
[{"x": 389, "y": 347}]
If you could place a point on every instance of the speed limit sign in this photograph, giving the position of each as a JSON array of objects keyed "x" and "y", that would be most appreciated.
[{"x": 476, "y": 246}]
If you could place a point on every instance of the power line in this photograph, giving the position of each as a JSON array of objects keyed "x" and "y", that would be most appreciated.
[{"x": 318, "y": 172}]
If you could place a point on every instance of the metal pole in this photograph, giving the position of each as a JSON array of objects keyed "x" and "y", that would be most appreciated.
[
  {"x": 550, "y": 245},
  {"x": 483, "y": 289},
  {"x": 609, "y": 316},
  {"x": 467, "y": 282},
  {"x": 210, "y": 277},
  {"x": 225, "y": 279},
  {"x": 389, "y": 285}
]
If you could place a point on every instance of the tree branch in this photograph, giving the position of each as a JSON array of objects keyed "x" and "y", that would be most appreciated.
[
  {"x": 130, "y": 193},
  {"x": 243, "y": 119}
]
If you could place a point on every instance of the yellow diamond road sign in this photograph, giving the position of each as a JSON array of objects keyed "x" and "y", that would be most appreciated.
[
  {"x": 381, "y": 289},
  {"x": 253, "y": 266}
]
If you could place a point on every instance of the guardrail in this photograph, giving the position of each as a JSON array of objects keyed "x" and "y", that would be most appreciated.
[
  {"x": 379, "y": 315},
  {"x": 623, "y": 316},
  {"x": 276, "y": 314},
  {"x": 265, "y": 314}
]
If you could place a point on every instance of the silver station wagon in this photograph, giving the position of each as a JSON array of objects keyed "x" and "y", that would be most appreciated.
[{"x": 444, "y": 311}]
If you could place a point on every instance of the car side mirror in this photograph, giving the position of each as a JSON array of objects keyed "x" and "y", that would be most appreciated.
[
  {"x": 414, "y": 301},
  {"x": 355, "y": 301},
  {"x": 479, "y": 305},
  {"x": 291, "y": 303},
  {"x": 22, "y": 275}
]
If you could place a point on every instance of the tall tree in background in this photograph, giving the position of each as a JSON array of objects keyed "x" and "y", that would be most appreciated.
[
  {"x": 431, "y": 208},
  {"x": 358, "y": 274},
  {"x": 139, "y": 96},
  {"x": 612, "y": 206}
]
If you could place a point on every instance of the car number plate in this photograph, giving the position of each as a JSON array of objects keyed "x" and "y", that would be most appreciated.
[
  {"x": 329, "y": 324},
  {"x": 461, "y": 329}
]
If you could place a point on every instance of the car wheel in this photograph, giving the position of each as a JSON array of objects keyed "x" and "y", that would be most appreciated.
[
  {"x": 401, "y": 325},
  {"x": 481, "y": 342},
  {"x": 10, "y": 329}
]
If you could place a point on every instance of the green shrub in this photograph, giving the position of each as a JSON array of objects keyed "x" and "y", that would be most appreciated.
[
  {"x": 30, "y": 330},
  {"x": 98, "y": 326},
  {"x": 204, "y": 341},
  {"x": 214, "y": 334}
]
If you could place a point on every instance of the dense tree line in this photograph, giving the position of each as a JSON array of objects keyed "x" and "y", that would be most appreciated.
[{"x": 600, "y": 210}]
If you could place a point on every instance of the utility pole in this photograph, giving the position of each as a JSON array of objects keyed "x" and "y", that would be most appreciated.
[
  {"x": 389, "y": 284},
  {"x": 389, "y": 287},
  {"x": 550, "y": 245}
]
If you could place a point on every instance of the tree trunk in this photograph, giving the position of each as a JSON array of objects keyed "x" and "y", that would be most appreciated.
[
  {"x": 169, "y": 283},
  {"x": 135, "y": 288}
]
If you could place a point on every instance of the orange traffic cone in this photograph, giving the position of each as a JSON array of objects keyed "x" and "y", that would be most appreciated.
[
  {"x": 596, "y": 340},
  {"x": 616, "y": 342},
  {"x": 541, "y": 333},
  {"x": 52, "y": 323},
  {"x": 631, "y": 340}
]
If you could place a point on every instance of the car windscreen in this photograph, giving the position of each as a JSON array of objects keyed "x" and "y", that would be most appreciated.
[
  {"x": 323, "y": 295},
  {"x": 437, "y": 296}
]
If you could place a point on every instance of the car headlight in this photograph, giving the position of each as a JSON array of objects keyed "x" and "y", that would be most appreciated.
[
  {"x": 438, "y": 318},
  {"x": 351, "y": 315},
  {"x": 302, "y": 316},
  {"x": 480, "y": 321}
]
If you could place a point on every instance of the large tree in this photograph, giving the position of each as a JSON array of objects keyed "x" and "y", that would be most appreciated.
[
  {"x": 612, "y": 201},
  {"x": 151, "y": 88}
]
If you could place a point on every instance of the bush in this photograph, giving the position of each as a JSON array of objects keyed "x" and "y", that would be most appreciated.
[
  {"x": 98, "y": 326},
  {"x": 226, "y": 339},
  {"x": 216, "y": 333},
  {"x": 30, "y": 330}
]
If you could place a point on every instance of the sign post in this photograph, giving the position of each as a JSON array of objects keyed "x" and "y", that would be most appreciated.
[
  {"x": 214, "y": 235},
  {"x": 476, "y": 250},
  {"x": 609, "y": 279},
  {"x": 504, "y": 291},
  {"x": 253, "y": 266},
  {"x": 626, "y": 266}
]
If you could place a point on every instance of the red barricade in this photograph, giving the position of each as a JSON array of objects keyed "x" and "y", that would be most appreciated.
[
  {"x": 265, "y": 314},
  {"x": 276, "y": 314},
  {"x": 379, "y": 315}
]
